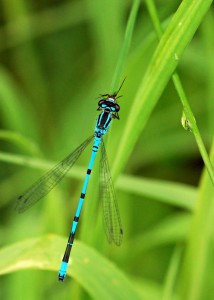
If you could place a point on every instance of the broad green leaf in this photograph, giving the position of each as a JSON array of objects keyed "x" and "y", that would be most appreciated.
[{"x": 99, "y": 277}]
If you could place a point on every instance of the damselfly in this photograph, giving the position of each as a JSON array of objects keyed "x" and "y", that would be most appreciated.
[{"x": 109, "y": 110}]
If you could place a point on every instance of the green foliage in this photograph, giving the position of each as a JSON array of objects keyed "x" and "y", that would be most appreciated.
[
  {"x": 110, "y": 283},
  {"x": 57, "y": 56}
]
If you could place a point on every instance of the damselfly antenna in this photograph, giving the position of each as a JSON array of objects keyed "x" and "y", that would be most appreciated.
[{"x": 116, "y": 93}]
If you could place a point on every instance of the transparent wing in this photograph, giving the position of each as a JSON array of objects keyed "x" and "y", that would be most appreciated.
[
  {"x": 49, "y": 180},
  {"x": 111, "y": 216}
]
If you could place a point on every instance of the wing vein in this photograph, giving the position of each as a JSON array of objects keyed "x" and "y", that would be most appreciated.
[
  {"x": 111, "y": 215},
  {"x": 50, "y": 179}
]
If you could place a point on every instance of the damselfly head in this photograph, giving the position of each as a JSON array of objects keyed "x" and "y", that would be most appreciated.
[{"x": 108, "y": 102}]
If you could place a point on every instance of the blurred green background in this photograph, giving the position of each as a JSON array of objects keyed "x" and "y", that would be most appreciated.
[{"x": 56, "y": 58}]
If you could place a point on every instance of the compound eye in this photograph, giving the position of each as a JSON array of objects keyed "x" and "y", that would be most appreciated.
[
  {"x": 117, "y": 107},
  {"x": 102, "y": 103}
]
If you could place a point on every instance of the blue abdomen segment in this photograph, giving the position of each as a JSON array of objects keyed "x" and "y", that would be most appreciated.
[
  {"x": 62, "y": 271},
  {"x": 64, "y": 264}
]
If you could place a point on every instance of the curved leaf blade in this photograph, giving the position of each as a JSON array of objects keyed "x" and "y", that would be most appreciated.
[{"x": 100, "y": 278}]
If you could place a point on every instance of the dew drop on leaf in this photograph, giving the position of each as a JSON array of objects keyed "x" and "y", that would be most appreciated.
[
  {"x": 185, "y": 122},
  {"x": 176, "y": 57}
]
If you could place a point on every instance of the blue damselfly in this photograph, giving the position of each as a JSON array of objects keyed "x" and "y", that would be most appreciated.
[{"x": 109, "y": 110}]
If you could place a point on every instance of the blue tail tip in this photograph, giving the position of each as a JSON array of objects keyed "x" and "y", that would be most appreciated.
[
  {"x": 61, "y": 277},
  {"x": 62, "y": 271}
]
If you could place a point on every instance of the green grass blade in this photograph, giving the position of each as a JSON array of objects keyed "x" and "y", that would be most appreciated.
[
  {"x": 106, "y": 17},
  {"x": 123, "y": 51},
  {"x": 20, "y": 141},
  {"x": 172, "y": 274},
  {"x": 208, "y": 42},
  {"x": 182, "y": 95},
  {"x": 175, "y": 39},
  {"x": 171, "y": 230},
  {"x": 99, "y": 277},
  {"x": 193, "y": 126},
  {"x": 14, "y": 106},
  {"x": 171, "y": 193},
  {"x": 42, "y": 23},
  {"x": 176, "y": 194},
  {"x": 126, "y": 45},
  {"x": 196, "y": 262}
]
